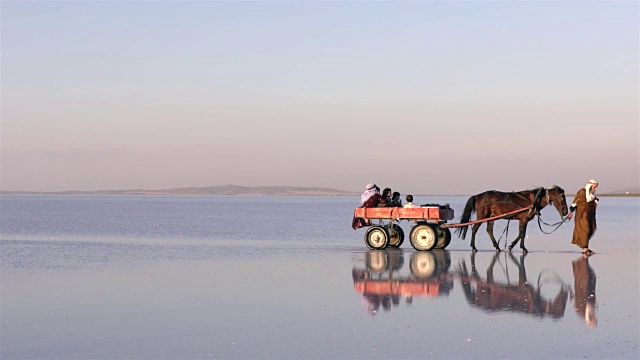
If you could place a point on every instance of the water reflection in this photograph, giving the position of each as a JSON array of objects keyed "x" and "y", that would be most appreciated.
[
  {"x": 388, "y": 280},
  {"x": 383, "y": 284},
  {"x": 493, "y": 296},
  {"x": 584, "y": 299}
]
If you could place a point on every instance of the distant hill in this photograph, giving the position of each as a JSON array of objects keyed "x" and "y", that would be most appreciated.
[
  {"x": 209, "y": 190},
  {"x": 635, "y": 191}
]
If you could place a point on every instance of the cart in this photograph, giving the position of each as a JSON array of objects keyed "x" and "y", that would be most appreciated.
[{"x": 429, "y": 232}]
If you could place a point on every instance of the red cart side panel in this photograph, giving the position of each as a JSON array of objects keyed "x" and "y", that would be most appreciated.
[{"x": 421, "y": 213}]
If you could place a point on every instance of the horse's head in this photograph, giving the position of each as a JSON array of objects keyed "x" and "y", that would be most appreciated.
[{"x": 556, "y": 196}]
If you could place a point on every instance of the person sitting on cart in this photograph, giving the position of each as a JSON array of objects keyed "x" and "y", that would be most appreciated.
[
  {"x": 410, "y": 203},
  {"x": 395, "y": 200},
  {"x": 376, "y": 200},
  {"x": 385, "y": 199},
  {"x": 369, "y": 191}
]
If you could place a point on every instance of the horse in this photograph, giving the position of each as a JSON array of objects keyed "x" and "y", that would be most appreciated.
[{"x": 493, "y": 203}]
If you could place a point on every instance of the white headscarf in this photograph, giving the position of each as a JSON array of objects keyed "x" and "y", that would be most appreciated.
[
  {"x": 369, "y": 191},
  {"x": 590, "y": 191}
]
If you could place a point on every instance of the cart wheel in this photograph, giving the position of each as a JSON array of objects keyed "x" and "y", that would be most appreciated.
[
  {"x": 396, "y": 236},
  {"x": 377, "y": 261},
  {"x": 423, "y": 237},
  {"x": 376, "y": 238},
  {"x": 422, "y": 265},
  {"x": 444, "y": 237}
]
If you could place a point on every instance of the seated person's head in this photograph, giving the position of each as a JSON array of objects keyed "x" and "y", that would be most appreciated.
[
  {"x": 396, "y": 195},
  {"x": 386, "y": 192},
  {"x": 409, "y": 198}
]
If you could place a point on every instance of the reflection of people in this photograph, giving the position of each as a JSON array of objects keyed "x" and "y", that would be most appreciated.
[
  {"x": 585, "y": 205},
  {"x": 584, "y": 300}
]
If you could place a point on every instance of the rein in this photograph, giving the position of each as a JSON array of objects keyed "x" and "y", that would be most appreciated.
[{"x": 557, "y": 225}]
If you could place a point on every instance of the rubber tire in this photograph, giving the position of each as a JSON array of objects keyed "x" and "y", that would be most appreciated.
[
  {"x": 376, "y": 238},
  {"x": 423, "y": 237},
  {"x": 400, "y": 232},
  {"x": 444, "y": 237}
]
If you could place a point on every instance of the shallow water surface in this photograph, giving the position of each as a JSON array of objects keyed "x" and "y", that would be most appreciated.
[{"x": 286, "y": 277}]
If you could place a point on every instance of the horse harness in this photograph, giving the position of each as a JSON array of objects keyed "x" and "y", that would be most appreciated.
[{"x": 532, "y": 199}]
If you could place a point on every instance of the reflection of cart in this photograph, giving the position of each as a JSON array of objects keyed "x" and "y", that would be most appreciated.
[
  {"x": 427, "y": 234},
  {"x": 422, "y": 265},
  {"x": 383, "y": 283}
]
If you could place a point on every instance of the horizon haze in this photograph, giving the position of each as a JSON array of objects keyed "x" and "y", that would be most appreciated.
[{"x": 423, "y": 97}]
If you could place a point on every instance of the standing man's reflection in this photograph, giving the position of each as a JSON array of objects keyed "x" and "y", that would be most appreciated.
[{"x": 584, "y": 300}]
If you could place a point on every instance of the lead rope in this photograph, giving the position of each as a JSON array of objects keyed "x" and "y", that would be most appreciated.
[{"x": 559, "y": 223}]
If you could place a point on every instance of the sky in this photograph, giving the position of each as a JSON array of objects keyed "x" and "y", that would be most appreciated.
[{"x": 423, "y": 97}]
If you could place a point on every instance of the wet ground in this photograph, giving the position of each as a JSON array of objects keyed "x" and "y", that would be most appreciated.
[{"x": 303, "y": 290}]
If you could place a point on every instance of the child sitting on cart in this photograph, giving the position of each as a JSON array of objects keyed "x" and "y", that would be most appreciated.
[
  {"x": 395, "y": 200},
  {"x": 410, "y": 203}
]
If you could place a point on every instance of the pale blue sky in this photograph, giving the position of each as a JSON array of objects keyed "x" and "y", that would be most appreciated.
[{"x": 424, "y": 97}]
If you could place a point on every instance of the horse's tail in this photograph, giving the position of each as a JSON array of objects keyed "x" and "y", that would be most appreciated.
[{"x": 469, "y": 209}]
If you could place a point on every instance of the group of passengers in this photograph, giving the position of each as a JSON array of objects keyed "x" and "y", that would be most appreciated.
[{"x": 372, "y": 198}]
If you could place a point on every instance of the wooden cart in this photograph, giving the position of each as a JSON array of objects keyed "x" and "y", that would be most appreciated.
[{"x": 428, "y": 232}]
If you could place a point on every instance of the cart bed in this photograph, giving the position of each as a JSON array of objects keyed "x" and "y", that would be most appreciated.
[{"x": 433, "y": 213}]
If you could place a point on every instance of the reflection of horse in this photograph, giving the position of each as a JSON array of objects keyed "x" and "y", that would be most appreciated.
[
  {"x": 495, "y": 203},
  {"x": 491, "y": 296},
  {"x": 383, "y": 285}
]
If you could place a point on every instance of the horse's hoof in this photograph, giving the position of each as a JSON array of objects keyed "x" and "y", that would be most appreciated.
[
  {"x": 474, "y": 250},
  {"x": 524, "y": 251},
  {"x": 510, "y": 248},
  {"x": 498, "y": 250}
]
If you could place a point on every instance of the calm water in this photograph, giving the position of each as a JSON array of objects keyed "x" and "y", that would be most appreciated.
[{"x": 287, "y": 277}]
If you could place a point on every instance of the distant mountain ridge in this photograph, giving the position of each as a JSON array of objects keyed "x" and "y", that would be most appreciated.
[
  {"x": 629, "y": 191},
  {"x": 208, "y": 190}
]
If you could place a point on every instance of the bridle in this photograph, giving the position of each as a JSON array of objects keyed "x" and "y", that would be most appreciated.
[
  {"x": 558, "y": 198},
  {"x": 550, "y": 201}
]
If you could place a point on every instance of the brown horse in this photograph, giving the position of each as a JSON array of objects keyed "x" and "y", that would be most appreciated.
[
  {"x": 495, "y": 203},
  {"x": 492, "y": 296}
]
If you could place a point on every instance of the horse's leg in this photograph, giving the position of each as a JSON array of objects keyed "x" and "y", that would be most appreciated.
[
  {"x": 474, "y": 230},
  {"x": 514, "y": 242},
  {"x": 523, "y": 234},
  {"x": 490, "y": 232}
]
